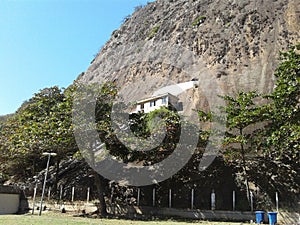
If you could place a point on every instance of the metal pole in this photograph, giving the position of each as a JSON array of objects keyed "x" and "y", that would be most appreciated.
[
  {"x": 192, "y": 199},
  {"x": 233, "y": 200},
  {"x": 44, "y": 185},
  {"x": 170, "y": 198}
]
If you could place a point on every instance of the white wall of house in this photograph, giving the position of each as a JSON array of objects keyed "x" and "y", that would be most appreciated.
[
  {"x": 155, "y": 104},
  {"x": 151, "y": 104},
  {"x": 9, "y": 203}
]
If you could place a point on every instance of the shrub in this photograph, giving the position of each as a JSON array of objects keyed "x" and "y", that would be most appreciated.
[
  {"x": 153, "y": 32},
  {"x": 199, "y": 20}
]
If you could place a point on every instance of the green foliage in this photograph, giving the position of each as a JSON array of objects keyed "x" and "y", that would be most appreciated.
[
  {"x": 153, "y": 32},
  {"x": 284, "y": 110},
  {"x": 43, "y": 123},
  {"x": 204, "y": 116},
  {"x": 199, "y": 20},
  {"x": 228, "y": 24},
  {"x": 170, "y": 118},
  {"x": 241, "y": 112},
  {"x": 281, "y": 134}
]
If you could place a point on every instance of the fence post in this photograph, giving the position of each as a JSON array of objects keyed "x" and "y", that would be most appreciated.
[
  {"x": 138, "y": 196},
  {"x": 277, "y": 201},
  {"x": 251, "y": 200},
  {"x": 153, "y": 197},
  {"x": 34, "y": 196},
  {"x": 60, "y": 192},
  {"x": 73, "y": 193},
  {"x": 192, "y": 199},
  {"x": 213, "y": 200},
  {"x": 88, "y": 195},
  {"x": 170, "y": 198},
  {"x": 233, "y": 200},
  {"x": 49, "y": 193}
]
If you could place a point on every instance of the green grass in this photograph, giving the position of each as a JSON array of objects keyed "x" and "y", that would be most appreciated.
[{"x": 50, "y": 218}]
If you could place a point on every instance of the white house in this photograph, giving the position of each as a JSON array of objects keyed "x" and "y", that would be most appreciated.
[{"x": 150, "y": 104}]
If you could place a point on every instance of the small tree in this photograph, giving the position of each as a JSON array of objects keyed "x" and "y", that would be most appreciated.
[{"x": 241, "y": 113}]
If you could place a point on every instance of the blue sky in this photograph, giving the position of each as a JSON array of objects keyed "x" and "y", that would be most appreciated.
[{"x": 50, "y": 42}]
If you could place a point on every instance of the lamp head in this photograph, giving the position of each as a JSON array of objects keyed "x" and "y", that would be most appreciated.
[{"x": 49, "y": 153}]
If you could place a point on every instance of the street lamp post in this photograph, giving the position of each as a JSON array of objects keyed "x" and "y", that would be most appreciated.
[{"x": 49, "y": 154}]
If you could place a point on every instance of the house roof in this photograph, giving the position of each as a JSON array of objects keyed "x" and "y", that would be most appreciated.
[
  {"x": 155, "y": 97},
  {"x": 9, "y": 189}
]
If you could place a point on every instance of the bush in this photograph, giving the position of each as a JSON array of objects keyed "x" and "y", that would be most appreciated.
[
  {"x": 198, "y": 21},
  {"x": 153, "y": 32}
]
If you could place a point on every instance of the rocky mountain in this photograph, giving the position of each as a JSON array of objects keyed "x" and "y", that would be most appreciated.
[{"x": 227, "y": 45}]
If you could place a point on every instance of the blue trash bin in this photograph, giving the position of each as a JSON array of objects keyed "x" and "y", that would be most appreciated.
[
  {"x": 272, "y": 218},
  {"x": 260, "y": 216}
]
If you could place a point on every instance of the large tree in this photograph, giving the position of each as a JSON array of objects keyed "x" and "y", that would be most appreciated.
[
  {"x": 41, "y": 124},
  {"x": 282, "y": 133},
  {"x": 284, "y": 110}
]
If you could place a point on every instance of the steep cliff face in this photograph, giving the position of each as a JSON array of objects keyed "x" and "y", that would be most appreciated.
[{"x": 228, "y": 45}]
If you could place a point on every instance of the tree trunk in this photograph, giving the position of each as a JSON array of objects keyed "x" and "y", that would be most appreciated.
[
  {"x": 34, "y": 166},
  {"x": 56, "y": 179},
  {"x": 245, "y": 174},
  {"x": 100, "y": 184}
]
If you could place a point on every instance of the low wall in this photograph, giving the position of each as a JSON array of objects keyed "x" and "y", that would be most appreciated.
[
  {"x": 188, "y": 214},
  {"x": 9, "y": 203},
  {"x": 286, "y": 218}
]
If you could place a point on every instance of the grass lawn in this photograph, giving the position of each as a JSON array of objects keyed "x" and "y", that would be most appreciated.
[{"x": 50, "y": 218}]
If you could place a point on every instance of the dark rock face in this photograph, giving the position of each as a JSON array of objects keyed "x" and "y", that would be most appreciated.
[{"x": 234, "y": 44}]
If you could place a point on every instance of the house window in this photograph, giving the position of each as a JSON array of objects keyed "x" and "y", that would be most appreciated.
[
  {"x": 152, "y": 103},
  {"x": 164, "y": 100}
]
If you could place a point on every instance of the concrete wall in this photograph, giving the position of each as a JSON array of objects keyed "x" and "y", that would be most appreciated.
[
  {"x": 9, "y": 203},
  {"x": 217, "y": 215},
  {"x": 284, "y": 218}
]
